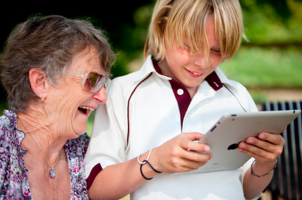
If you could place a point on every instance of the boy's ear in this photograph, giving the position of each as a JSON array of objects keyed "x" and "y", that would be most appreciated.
[{"x": 38, "y": 82}]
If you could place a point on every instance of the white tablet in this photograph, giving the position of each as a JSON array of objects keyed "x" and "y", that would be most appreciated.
[{"x": 230, "y": 129}]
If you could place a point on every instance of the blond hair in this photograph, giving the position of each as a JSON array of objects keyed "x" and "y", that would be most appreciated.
[{"x": 177, "y": 20}]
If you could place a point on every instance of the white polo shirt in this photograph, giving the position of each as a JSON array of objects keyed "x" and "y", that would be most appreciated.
[{"x": 145, "y": 109}]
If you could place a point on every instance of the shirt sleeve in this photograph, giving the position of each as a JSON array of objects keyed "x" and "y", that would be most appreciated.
[{"x": 108, "y": 140}]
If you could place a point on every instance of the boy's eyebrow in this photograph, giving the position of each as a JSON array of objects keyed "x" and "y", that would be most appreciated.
[{"x": 216, "y": 46}]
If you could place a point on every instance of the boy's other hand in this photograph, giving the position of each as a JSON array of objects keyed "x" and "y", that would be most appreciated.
[{"x": 265, "y": 148}]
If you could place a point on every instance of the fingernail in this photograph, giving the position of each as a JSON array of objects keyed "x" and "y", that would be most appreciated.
[
  {"x": 206, "y": 148},
  {"x": 261, "y": 136},
  {"x": 242, "y": 145},
  {"x": 250, "y": 140}
]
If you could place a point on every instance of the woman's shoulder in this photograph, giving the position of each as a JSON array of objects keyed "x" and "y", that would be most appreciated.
[
  {"x": 8, "y": 120},
  {"x": 11, "y": 157},
  {"x": 78, "y": 146},
  {"x": 8, "y": 129}
]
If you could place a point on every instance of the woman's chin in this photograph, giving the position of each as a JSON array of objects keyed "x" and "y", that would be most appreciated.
[
  {"x": 80, "y": 125},
  {"x": 79, "y": 132}
]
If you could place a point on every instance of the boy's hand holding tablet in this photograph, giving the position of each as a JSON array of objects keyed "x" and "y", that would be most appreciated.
[{"x": 175, "y": 157}]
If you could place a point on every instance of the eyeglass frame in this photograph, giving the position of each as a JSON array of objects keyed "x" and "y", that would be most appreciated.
[{"x": 106, "y": 83}]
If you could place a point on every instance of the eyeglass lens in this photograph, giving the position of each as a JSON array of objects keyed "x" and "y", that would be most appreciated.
[
  {"x": 94, "y": 82},
  {"x": 91, "y": 81}
]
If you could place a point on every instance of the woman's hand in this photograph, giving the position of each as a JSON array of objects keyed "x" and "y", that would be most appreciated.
[
  {"x": 265, "y": 148},
  {"x": 180, "y": 154}
]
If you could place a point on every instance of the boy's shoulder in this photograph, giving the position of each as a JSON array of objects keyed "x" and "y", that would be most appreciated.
[
  {"x": 125, "y": 78},
  {"x": 228, "y": 82},
  {"x": 136, "y": 76},
  {"x": 120, "y": 86},
  {"x": 238, "y": 90},
  {"x": 124, "y": 82}
]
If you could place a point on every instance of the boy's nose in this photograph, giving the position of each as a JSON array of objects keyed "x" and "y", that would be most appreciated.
[{"x": 202, "y": 60}]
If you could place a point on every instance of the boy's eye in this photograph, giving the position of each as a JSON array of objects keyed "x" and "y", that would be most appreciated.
[
  {"x": 187, "y": 47},
  {"x": 216, "y": 50}
]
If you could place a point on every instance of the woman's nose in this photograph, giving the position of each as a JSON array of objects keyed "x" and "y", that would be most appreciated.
[{"x": 100, "y": 96}]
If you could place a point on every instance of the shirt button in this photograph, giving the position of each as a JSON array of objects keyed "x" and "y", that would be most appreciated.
[{"x": 180, "y": 91}]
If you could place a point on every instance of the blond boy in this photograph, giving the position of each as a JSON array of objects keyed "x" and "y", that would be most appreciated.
[{"x": 156, "y": 113}]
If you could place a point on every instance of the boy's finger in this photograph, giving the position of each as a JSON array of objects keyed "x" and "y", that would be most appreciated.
[
  {"x": 263, "y": 144},
  {"x": 193, "y": 146},
  {"x": 255, "y": 151},
  {"x": 196, "y": 156},
  {"x": 192, "y": 136},
  {"x": 272, "y": 138}
]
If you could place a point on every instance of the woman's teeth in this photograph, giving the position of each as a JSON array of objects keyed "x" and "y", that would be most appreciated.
[{"x": 87, "y": 108}]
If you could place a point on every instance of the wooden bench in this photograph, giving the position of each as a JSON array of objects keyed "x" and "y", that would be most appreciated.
[{"x": 287, "y": 179}]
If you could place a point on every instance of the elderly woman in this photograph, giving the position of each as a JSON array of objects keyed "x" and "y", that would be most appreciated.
[{"x": 55, "y": 71}]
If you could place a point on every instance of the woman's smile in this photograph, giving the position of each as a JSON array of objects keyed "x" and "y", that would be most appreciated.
[{"x": 85, "y": 110}]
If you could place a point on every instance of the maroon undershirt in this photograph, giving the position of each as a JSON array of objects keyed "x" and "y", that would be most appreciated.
[{"x": 184, "y": 99}]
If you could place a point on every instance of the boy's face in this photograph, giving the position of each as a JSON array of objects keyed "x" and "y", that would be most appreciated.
[{"x": 191, "y": 70}]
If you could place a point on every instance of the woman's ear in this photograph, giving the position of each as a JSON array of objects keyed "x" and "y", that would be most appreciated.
[{"x": 38, "y": 82}]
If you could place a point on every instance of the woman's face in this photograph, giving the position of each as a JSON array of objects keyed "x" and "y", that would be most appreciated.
[{"x": 71, "y": 105}]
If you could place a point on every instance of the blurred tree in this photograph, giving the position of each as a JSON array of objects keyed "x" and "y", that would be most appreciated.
[
  {"x": 273, "y": 23},
  {"x": 280, "y": 6},
  {"x": 116, "y": 17},
  {"x": 126, "y": 22}
]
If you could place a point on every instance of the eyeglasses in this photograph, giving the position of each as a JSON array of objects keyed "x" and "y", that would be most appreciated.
[{"x": 93, "y": 82}]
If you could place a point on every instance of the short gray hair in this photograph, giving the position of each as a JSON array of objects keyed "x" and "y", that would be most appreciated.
[{"x": 48, "y": 43}]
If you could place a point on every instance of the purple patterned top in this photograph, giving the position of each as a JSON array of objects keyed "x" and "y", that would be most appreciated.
[{"x": 13, "y": 174}]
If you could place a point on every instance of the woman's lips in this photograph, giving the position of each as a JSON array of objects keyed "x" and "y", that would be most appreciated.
[{"x": 85, "y": 110}]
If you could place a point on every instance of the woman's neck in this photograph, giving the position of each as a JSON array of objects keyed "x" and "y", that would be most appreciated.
[{"x": 42, "y": 132}]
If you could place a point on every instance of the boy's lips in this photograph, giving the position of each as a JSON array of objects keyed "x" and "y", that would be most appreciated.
[{"x": 195, "y": 73}]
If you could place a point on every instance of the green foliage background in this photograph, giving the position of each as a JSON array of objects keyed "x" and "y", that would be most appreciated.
[
  {"x": 274, "y": 31},
  {"x": 272, "y": 58}
]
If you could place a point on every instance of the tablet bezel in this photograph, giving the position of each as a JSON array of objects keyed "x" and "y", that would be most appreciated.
[{"x": 247, "y": 125}]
